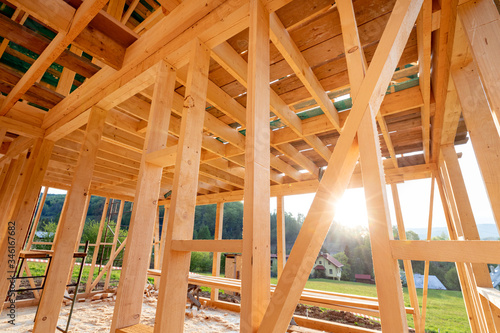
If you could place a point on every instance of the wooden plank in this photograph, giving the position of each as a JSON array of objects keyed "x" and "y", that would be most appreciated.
[
  {"x": 219, "y": 227},
  {"x": 256, "y": 228},
  {"x": 21, "y": 128},
  {"x": 285, "y": 44},
  {"x": 137, "y": 328},
  {"x": 482, "y": 131},
  {"x": 204, "y": 245},
  {"x": 68, "y": 232},
  {"x": 37, "y": 43},
  {"x": 341, "y": 166},
  {"x": 175, "y": 267},
  {"x": 473, "y": 251},
  {"x": 280, "y": 234},
  {"x": 54, "y": 13},
  {"x": 481, "y": 22},
  {"x": 140, "y": 237},
  {"x": 82, "y": 17}
]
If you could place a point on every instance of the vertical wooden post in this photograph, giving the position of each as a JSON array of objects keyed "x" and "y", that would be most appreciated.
[
  {"x": 97, "y": 245},
  {"x": 280, "y": 234},
  {"x": 163, "y": 234},
  {"x": 481, "y": 22},
  {"x": 427, "y": 263},
  {"x": 68, "y": 234},
  {"x": 465, "y": 221},
  {"x": 13, "y": 180},
  {"x": 156, "y": 246},
  {"x": 115, "y": 241},
  {"x": 175, "y": 268},
  {"x": 128, "y": 304},
  {"x": 472, "y": 311},
  {"x": 255, "y": 279},
  {"x": 23, "y": 208},
  {"x": 389, "y": 291},
  {"x": 412, "y": 290},
  {"x": 482, "y": 131},
  {"x": 3, "y": 174},
  {"x": 219, "y": 221}
]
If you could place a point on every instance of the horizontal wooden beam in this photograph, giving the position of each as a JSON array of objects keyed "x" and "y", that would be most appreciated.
[
  {"x": 163, "y": 157},
  {"x": 197, "y": 245},
  {"x": 447, "y": 251},
  {"x": 21, "y": 128}
]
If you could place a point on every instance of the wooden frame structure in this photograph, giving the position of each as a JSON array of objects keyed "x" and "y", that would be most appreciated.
[{"x": 220, "y": 101}]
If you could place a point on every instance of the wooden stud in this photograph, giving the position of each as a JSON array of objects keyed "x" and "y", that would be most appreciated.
[
  {"x": 482, "y": 131},
  {"x": 219, "y": 227},
  {"x": 128, "y": 304},
  {"x": 427, "y": 263},
  {"x": 156, "y": 246},
  {"x": 280, "y": 234},
  {"x": 175, "y": 268},
  {"x": 341, "y": 167},
  {"x": 68, "y": 234},
  {"x": 412, "y": 291},
  {"x": 256, "y": 225},
  {"x": 424, "y": 34},
  {"x": 97, "y": 245},
  {"x": 114, "y": 244}
]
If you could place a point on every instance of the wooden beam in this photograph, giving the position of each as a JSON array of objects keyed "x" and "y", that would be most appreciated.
[
  {"x": 79, "y": 21},
  {"x": 136, "y": 261},
  {"x": 175, "y": 267},
  {"x": 482, "y": 131},
  {"x": 282, "y": 40},
  {"x": 481, "y": 22},
  {"x": 412, "y": 291},
  {"x": 341, "y": 166},
  {"x": 219, "y": 227},
  {"x": 22, "y": 210},
  {"x": 54, "y": 13},
  {"x": 66, "y": 243},
  {"x": 441, "y": 60},
  {"x": 280, "y": 234},
  {"x": 424, "y": 34},
  {"x": 256, "y": 227},
  {"x": 465, "y": 221},
  {"x": 203, "y": 245},
  {"x": 473, "y": 251}
]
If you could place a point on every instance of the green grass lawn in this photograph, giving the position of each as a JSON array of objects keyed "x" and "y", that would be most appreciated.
[
  {"x": 445, "y": 309},
  {"x": 38, "y": 268}
]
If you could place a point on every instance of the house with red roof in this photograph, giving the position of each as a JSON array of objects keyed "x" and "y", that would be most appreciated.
[{"x": 327, "y": 266}]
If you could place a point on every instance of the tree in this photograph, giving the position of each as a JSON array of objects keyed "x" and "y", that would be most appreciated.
[
  {"x": 412, "y": 235},
  {"x": 346, "y": 274},
  {"x": 451, "y": 279},
  {"x": 204, "y": 233}
]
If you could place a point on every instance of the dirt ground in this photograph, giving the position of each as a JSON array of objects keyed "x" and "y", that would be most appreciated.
[{"x": 96, "y": 317}]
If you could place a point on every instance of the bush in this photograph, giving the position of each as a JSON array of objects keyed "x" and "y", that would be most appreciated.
[{"x": 201, "y": 262}]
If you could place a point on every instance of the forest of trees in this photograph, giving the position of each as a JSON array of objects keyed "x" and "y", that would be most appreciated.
[{"x": 349, "y": 245}]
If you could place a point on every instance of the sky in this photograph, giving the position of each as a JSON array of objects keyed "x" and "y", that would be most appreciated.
[{"x": 414, "y": 196}]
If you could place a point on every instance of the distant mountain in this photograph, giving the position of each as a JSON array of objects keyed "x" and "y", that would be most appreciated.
[{"x": 486, "y": 231}]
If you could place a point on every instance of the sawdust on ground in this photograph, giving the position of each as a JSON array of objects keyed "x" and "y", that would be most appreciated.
[{"x": 97, "y": 316}]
